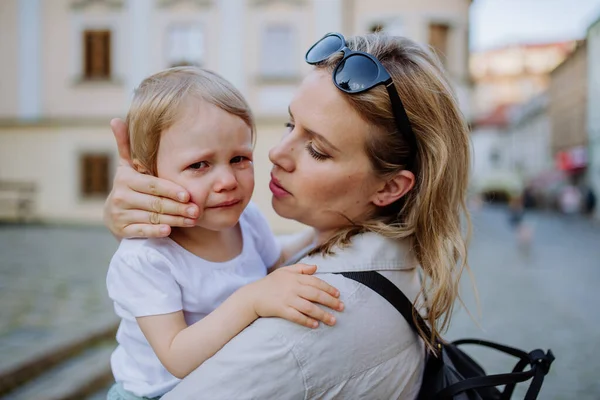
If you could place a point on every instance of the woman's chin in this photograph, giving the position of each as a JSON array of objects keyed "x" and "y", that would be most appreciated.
[{"x": 282, "y": 209}]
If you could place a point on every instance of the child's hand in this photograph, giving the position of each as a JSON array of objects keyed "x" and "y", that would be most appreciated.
[{"x": 290, "y": 293}]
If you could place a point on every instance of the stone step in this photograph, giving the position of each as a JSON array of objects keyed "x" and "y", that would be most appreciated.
[
  {"x": 40, "y": 357},
  {"x": 74, "y": 379}
]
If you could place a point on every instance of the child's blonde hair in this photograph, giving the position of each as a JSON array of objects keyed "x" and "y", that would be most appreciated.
[
  {"x": 158, "y": 101},
  {"x": 431, "y": 214}
]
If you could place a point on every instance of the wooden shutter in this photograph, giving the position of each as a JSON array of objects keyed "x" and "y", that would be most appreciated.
[
  {"x": 95, "y": 179},
  {"x": 438, "y": 39},
  {"x": 97, "y": 49}
]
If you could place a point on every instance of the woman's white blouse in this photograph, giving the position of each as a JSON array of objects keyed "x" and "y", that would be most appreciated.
[{"x": 371, "y": 353}]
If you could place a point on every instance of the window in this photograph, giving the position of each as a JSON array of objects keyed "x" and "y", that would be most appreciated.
[
  {"x": 185, "y": 46},
  {"x": 391, "y": 26},
  {"x": 438, "y": 39},
  {"x": 96, "y": 54},
  {"x": 95, "y": 179},
  {"x": 279, "y": 52},
  {"x": 377, "y": 27}
]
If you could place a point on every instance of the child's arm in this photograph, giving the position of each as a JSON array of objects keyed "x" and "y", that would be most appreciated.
[{"x": 288, "y": 293}]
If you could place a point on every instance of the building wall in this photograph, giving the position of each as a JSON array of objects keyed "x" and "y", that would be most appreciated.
[
  {"x": 513, "y": 74},
  {"x": 530, "y": 132},
  {"x": 42, "y": 143},
  {"x": 9, "y": 49},
  {"x": 593, "y": 105},
  {"x": 568, "y": 102}
]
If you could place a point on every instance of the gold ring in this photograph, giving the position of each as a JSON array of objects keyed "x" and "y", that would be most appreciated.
[{"x": 154, "y": 218}]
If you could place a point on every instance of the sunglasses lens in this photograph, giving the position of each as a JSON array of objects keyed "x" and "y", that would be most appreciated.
[
  {"x": 323, "y": 49},
  {"x": 356, "y": 74}
]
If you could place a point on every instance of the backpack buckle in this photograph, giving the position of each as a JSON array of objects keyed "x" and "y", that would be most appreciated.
[{"x": 541, "y": 359}]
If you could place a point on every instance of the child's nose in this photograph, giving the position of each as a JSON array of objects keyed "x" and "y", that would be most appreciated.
[{"x": 226, "y": 180}]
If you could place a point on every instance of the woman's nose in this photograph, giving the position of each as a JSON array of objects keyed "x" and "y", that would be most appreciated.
[
  {"x": 225, "y": 181},
  {"x": 282, "y": 154}
]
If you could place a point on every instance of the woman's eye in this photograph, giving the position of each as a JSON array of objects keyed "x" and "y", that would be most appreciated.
[
  {"x": 314, "y": 153},
  {"x": 290, "y": 126},
  {"x": 198, "y": 165}
]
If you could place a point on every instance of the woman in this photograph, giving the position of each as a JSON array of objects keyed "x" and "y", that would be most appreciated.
[{"x": 383, "y": 182}]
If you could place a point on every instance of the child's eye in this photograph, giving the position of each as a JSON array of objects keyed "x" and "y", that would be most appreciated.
[
  {"x": 238, "y": 159},
  {"x": 199, "y": 165}
]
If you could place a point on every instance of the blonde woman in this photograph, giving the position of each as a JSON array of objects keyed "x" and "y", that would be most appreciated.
[{"x": 375, "y": 158}]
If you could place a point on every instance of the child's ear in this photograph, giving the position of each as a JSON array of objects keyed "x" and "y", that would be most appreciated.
[{"x": 137, "y": 165}]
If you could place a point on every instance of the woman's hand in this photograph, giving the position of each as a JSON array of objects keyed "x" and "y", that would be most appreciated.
[
  {"x": 290, "y": 293},
  {"x": 142, "y": 205}
]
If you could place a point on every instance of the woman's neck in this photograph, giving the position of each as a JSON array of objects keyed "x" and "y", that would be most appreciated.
[{"x": 215, "y": 246}]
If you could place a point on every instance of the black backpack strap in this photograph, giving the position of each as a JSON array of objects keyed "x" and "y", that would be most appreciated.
[
  {"x": 540, "y": 362},
  {"x": 386, "y": 289},
  {"x": 540, "y": 365}
]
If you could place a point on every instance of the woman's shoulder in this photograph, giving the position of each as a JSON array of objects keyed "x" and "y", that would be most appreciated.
[
  {"x": 370, "y": 334},
  {"x": 366, "y": 252}
]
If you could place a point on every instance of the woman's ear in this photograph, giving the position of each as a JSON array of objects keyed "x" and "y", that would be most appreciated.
[
  {"x": 137, "y": 165},
  {"x": 394, "y": 188}
]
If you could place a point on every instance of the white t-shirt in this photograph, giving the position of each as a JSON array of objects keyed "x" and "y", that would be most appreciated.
[{"x": 158, "y": 276}]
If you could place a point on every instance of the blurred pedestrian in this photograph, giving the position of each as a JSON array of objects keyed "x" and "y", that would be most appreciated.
[
  {"x": 523, "y": 231},
  {"x": 570, "y": 200}
]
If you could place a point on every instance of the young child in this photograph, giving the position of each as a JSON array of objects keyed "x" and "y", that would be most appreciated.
[{"x": 182, "y": 298}]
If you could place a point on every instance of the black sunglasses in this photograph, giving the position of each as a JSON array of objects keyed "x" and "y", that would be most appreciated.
[{"x": 358, "y": 72}]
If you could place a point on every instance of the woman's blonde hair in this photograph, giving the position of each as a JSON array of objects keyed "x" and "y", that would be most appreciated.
[
  {"x": 157, "y": 103},
  {"x": 431, "y": 214}
]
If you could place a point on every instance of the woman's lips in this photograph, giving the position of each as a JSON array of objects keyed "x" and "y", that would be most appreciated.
[{"x": 276, "y": 188}]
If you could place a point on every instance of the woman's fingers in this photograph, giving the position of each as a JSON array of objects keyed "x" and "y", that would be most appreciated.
[
  {"x": 152, "y": 185},
  {"x": 132, "y": 217},
  {"x": 313, "y": 311},
  {"x": 318, "y": 296},
  {"x": 146, "y": 231},
  {"x": 159, "y": 205},
  {"x": 119, "y": 129}
]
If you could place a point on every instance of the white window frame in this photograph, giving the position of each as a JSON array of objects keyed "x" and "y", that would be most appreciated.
[
  {"x": 271, "y": 63},
  {"x": 198, "y": 59}
]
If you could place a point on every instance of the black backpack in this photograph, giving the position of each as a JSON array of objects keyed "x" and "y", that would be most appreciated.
[{"x": 451, "y": 373}]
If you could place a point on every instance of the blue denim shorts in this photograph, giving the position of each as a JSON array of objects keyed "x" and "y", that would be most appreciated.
[{"x": 117, "y": 392}]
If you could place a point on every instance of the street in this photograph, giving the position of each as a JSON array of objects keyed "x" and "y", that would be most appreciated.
[
  {"x": 52, "y": 280},
  {"x": 544, "y": 299}
]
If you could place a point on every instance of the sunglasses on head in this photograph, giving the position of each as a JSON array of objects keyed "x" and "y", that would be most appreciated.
[{"x": 358, "y": 72}]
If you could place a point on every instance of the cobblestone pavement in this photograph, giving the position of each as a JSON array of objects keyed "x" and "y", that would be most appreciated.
[
  {"x": 52, "y": 281},
  {"x": 52, "y": 284},
  {"x": 548, "y": 298}
]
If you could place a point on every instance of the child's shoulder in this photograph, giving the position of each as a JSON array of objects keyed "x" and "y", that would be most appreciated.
[{"x": 138, "y": 248}]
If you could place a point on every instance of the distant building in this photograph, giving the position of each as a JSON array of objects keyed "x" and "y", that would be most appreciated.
[
  {"x": 568, "y": 93},
  {"x": 530, "y": 133},
  {"x": 493, "y": 167},
  {"x": 513, "y": 74},
  {"x": 593, "y": 107},
  {"x": 68, "y": 66}
]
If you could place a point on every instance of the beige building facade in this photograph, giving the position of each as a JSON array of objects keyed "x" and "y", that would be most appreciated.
[
  {"x": 69, "y": 66},
  {"x": 513, "y": 74},
  {"x": 568, "y": 94}
]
